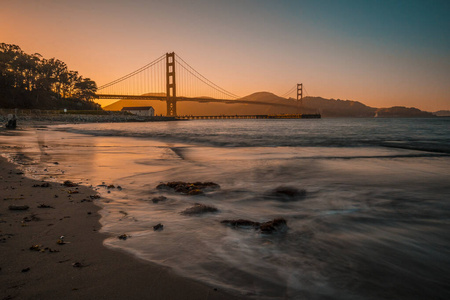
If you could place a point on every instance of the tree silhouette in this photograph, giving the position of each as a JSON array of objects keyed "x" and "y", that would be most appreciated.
[{"x": 31, "y": 81}]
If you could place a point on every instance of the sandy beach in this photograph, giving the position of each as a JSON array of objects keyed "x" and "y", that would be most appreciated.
[{"x": 34, "y": 265}]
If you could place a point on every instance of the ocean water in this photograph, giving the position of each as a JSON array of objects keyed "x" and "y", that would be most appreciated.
[{"x": 374, "y": 222}]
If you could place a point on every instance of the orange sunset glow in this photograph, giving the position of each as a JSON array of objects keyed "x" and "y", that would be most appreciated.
[{"x": 382, "y": 54}]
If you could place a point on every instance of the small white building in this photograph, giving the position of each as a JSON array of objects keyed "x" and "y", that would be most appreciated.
[{"x": 146, "y": 111}]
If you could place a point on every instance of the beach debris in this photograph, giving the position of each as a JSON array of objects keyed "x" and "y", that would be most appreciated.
[
  {"x": 61, "y": 241},
  {"x": 4, "y": 237},
  {"x": 111, "y": 186},
  {"x": 39, "y": 248},
  {"x": 78, "y": 265},
  {"x": 158, "y": 227},
  {"x": 51, "y": 250},
  {"x": 123, "y": 236},
  {"x": 31, "y": 218},
  {"x": 287, "y": 193},
  {"x": 18, "y": 207},
  {"x": 274, "y": 225},
  {"x": 45, "y": 206},
  {"x": 159, "y": 199},
  {"x": 188, "y": 188},
  {"x": 45, "y": 184},
  {"x": 119, "y": 187},
  {"x": 35, "y": 248},
  {"x": 56, "y": 163},
  {"x": 69, "y": 183},
  {"x": 16, "y": 198},
  {"x": 198, "y": 209},
  {"x": 26, "y": 270}
]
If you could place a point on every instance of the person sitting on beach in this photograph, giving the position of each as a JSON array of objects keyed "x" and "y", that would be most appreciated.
[{"x": 12, "y": 122}]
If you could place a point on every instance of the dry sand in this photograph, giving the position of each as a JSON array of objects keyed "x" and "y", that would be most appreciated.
[{"x": 82, "y": 268}]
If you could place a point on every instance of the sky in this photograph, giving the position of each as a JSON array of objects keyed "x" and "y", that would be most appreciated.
[{"x": 382, "y": 53}]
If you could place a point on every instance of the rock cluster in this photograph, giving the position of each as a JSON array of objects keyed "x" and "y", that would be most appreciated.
[
  {"x": 274, "y": 225},
  {"x": 287, "y": 193},
  {"x": 188, "y": 188},
  {"x": 199, "y": 209}
]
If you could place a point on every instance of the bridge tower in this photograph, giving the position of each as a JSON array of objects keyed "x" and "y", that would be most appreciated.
[
  {"x": 299, "y": 95},
  {"x": 171, "y": 88}
]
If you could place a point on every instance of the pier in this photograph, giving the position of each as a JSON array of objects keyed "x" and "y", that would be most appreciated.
[{"x": 281, "y": 116}]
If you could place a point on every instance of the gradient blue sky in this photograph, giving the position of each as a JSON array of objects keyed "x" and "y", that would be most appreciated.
[{"x": 382, "y": 53}]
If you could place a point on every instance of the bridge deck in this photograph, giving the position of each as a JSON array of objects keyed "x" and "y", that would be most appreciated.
[{"x": 200, "y": 100}]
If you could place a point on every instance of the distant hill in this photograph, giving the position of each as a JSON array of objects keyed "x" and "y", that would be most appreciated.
[
  {"x": 442, "y": 113},
  {"x": 310, "y": 105},
  {"x": 338, "y": 108},
  {"x": 402, "y": 112}
]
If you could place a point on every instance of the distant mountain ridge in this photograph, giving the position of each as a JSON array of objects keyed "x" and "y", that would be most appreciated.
[
  {"x": 309, "y": 105},
  {"x": 442, "y": 113}
]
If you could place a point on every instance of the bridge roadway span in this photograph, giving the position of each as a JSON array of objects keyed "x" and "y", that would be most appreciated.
[{"x": 200, "y": 100}]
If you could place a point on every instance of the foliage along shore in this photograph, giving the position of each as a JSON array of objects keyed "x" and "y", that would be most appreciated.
[{"x": 31, "y": 81}]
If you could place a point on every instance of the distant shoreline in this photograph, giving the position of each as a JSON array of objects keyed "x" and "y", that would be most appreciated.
[{"x": 80, "y": 118}]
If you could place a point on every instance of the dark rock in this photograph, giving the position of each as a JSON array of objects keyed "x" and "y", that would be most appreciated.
[
  {"x": 241, "y": 223},
  {"x": 279, "y": 225},
  {"x": 31, "y": 218},
  {"x": 287, "y": 193},
  {"x": 35, "y": 248},
  {"x": 188, "y": 188},
  {"x": 69, "y": 183},
  {"x": 77, "y": 265},
  {"x": 18, "y": 207},
  {"x": 26, "y": 270},
  {"x": 199, "y": 209},
  {"x": 45, "y": 184},
  {"x": 123, "y": 236},
  {"x": 111, "y": 186},
  {"x": 159, "y": 199},
  {"x": 158, "y": 226},
  {"x": 44, "y": 206}
]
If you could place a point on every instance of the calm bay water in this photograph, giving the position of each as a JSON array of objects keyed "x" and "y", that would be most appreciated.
[{"x": 374, "y": 223}]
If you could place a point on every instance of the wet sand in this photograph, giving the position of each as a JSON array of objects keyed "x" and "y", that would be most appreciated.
[{"x": 34, "y": 266}]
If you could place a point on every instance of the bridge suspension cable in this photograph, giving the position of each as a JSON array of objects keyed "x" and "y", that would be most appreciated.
[
  {"x": 189, "y": 69},
  {"x": 289, "y": 92},
  {"x": 149, "y": 65}
]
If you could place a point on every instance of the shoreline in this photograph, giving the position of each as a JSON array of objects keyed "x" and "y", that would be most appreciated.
[
  {"x": 34, "y": 266},
  {"x": 47, "y": 119}
]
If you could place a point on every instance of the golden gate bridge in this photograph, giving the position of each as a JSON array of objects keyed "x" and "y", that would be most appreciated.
[{"x": 169, "y": 78}]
